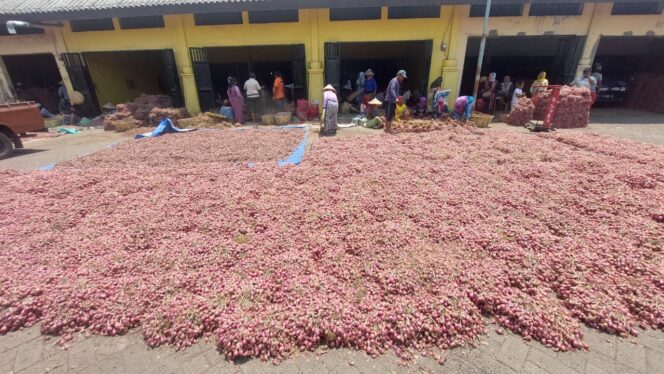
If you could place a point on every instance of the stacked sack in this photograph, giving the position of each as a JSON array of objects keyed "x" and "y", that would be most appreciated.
[
  {"x": 646, "y": 93},
  {"x": 573, "y": 109},
  {"x": 522, "y": 112},
  {"x": 541, "y": 102},
  {"x": 157, "y": 114}
]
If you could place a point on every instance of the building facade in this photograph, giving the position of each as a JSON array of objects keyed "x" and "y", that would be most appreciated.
[{"x": 187, "y": 49}]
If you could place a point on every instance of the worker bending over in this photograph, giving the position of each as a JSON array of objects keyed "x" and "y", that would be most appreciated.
[{"x": 463, "y": 107}]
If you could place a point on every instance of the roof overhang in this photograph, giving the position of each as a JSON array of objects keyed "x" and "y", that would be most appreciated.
[{"x": 106, "y": 11}]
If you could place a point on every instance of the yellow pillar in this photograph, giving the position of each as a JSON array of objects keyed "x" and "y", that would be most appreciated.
[
  {"x": 60, "y": 47},
  {"x": 593, "y": 36},
  {"x": 6, "y": 93},
  {"x": 450, "y": 69},
  {"x": 315, "y": 76},
  {"x": 185, "y": 70}
]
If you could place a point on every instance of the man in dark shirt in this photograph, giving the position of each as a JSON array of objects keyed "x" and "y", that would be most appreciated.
[{"x": 393, "y": 92}]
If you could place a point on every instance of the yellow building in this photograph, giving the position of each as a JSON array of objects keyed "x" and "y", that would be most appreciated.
[{"x": 186, "y": 49}]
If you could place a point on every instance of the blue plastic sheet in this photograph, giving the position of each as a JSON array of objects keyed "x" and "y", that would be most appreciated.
[
  {"x": 64, "y": 130},
  {"x": 166, "y": 126},
  {"x": 295, "y": 158}
]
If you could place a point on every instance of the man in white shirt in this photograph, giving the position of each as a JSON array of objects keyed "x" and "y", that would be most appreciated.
[
  {"x": 518, "y": 93},
  {"x": 252, "y": 89},
  {"x": 589, "y": 82},
  {"x": 598, "y": 75}
]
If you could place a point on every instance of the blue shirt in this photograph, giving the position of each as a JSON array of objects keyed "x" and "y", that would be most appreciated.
[
  {"x": 392, "y": 91},
  {"x": 370, "y": 85}
]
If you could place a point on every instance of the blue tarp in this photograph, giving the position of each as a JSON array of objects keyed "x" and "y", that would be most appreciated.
[
  {"x": 296, "y": 156},
  {"x": 165, "y": 126}
]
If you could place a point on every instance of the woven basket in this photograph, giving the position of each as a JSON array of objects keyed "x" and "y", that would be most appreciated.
[
  {"x": 267, "y": 119},
  {"x": 282, "y": 118},
  {"x": 481, "y": 119}
]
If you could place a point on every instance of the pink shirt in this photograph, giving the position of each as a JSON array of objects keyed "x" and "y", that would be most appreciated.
[{"x": 329, "y": 96}]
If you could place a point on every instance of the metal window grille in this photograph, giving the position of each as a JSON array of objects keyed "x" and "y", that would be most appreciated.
[
  {"x": 402, "y": 12},
  {"x": 497, "y": 10},
  {"x": 352, "y": 14},
  {"x": 224, "y": 18},
  {"x": 144, "y": 22},
  {"x": 99, "y": 24},
  {"x": 639, "y": 7},
  {"x": 274, "y": 16},
  {"x": 556, "y": 9}
]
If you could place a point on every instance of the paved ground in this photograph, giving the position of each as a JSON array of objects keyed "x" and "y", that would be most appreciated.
[
  {"x": 26, "y": 351},
  {"x": 641, "y": 126},
  {"x": 47, "y": 150}
]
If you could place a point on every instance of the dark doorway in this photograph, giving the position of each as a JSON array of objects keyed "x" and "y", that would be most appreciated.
[
  {"x": 122, "y": 76},
  {"x": 523, "y": 57},
  {"x": 343, "y": 62},
  {"x": 238, "y": 62},
  {"x": 632, "y": 71},
  {"x": 35, "y": 78}
]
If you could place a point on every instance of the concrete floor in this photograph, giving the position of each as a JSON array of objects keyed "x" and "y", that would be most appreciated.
[
  {"x": 26, "y": 351},
  {"x": 43, "y": 151}
]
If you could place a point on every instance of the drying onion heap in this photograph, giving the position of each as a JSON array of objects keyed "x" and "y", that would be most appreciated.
[{"x": 404, "y": 243}]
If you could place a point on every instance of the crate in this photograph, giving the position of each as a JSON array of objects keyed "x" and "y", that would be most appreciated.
[
  {"x": 282, "y": 118},
  {"x": 481, "y": 119},
  {"x": 267, "y": 119}
]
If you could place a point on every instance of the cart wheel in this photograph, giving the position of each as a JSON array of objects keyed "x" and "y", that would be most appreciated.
[{"x": 6, "y": 146}]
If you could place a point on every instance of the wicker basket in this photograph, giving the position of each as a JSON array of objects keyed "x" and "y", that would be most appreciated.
[
  {"x": 282, "y": 118},
  {"x": 267, "y": 119},
  {"x": 481, "y": 119}
]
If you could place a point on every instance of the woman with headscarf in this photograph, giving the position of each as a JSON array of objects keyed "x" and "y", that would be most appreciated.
[
  {"x": 330, "y": 111},
  {"x": 236, "y": 99},
  {"x": 463, "y": 107},
  {"x": 540, "y": 83},
  {"x": 440, "y": 104},
  {"x": 489, "y": 94}
]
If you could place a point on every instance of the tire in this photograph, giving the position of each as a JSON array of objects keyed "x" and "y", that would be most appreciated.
[{"x": 6, "y": 146}]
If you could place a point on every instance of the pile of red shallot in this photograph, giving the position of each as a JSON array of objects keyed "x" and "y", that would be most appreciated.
[
  {"x": 195, "y": 149},
  {"x": 390, "y": 242},
  {"x": 426, "y": 125}
]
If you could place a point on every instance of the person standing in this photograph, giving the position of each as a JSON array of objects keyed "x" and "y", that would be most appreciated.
[
  {"x": 330, "y": 111},
  {"x": 359, "y": 87},
  {"x": 391, "y": 96},
  {"x": 587, "y": 81},
  {"x": 370, "y": 85},
  {"x": 278, "y": 95},
  {"x": 252, "y": 89},
  {"x": 597, "y": 74},
  {"x": 236, "y": 99},
  {"x": 63, "y": 96}
]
